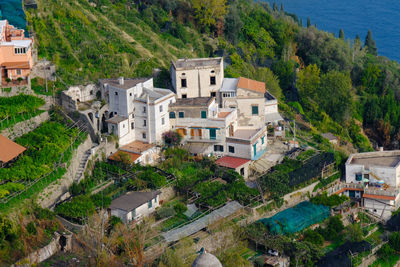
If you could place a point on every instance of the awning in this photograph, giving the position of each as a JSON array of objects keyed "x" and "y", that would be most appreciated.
[
  {"x": 16, "y": 65},
  {"x": 273, "y": 117}
]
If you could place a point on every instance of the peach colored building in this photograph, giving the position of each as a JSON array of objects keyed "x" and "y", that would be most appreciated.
[{"x": 15, "y": 53}]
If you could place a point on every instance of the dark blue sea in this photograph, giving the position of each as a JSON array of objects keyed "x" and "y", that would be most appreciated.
[
  {"x": 12, "y": 11},
  {"x": 382, "y": 17}
]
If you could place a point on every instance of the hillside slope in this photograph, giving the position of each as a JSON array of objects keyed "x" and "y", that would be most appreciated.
[{"x": 88, "y": 42}]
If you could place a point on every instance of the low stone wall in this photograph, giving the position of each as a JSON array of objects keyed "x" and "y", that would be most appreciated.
[
  {"x": 70, "y": 225},
  {"x": 24, "y": 127},
  {"x": 167, "y": 193},
  {"x": 59, "y": 242}
]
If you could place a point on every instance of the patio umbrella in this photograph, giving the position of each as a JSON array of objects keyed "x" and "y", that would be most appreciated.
[
  {"x": 381, "y": 182},
  {"x": 365, "y": 180}
]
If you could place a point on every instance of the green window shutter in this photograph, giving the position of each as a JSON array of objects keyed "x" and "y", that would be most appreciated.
[
  {"x": 181, "y": 114},
  {"x": 204, "y": 114},
  {"x": 254, "y": 110},
  {"x": 172, "y": 115}
]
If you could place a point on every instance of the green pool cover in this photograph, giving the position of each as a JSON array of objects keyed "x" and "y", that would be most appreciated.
[{"x": 297, "y": 218}]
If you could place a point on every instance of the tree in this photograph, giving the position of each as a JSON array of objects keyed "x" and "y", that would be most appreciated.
[
  {"x": 282, "y": 7},
  {"x": 308, "y": 22},
  {"x": 370, "y": 44},
  {"x": 207, "y": 12},
  {"x": 308, "y": 81},
  {"x": 341, "y": 34},
  {"x": 285, "y": 71},
  {"x": 385, "y": 251},
  {"x": 275, "y": 6},
  {"x": 353, "y": 233},
  {"x": 357, "y": 41},
  {"x": 313, "y": 237},
  {"x": 171, "y": 138},
  {"x": 233, "y": 24},
  {"x": 394, "y": 241},
  {"x": 270, "y": 79},
  {"x": 334, "y": 92}
]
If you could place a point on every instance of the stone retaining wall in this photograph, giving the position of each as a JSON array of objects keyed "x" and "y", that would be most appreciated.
[{"x": 24, "y": 127}]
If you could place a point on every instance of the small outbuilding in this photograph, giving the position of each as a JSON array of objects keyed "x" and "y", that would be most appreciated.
[
  {"x": 9, "y": 150},
  {"x": 135, "y": 205},
  {"x": 332, "y": 139},
  {"x": 240, "y": 165}
]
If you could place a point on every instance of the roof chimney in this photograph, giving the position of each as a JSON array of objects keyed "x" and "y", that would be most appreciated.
[
  {"x": 381, "y": 148},
  {"x": 121, "y": 80}
]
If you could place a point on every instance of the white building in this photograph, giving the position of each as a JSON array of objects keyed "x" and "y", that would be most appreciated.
[
  {"x": 198, "y": 77},
  {"x": 139, "y": 111},
  {"x": 134, "y": 205},
  {"x": 375, "y": 178}
]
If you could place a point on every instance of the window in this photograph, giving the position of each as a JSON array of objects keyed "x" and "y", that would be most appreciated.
[
  {"x": 213, "y": 71},
  {"x": 183, "y": 83},
  {"x": 20, "y": 50},
  {"x": 144, "y": 122},
  {"x": 162, "y": 121},
  {"x": 133, "y": 116},
  {"x": 19, "y": 72},
  {"x": 231, "y": 149},
  {"x": 144, "y": 109},
  {"x": 213, "y": 94},
  {"x": 161, "y": 108},
  {"x": 254, "y": 110},
  {"x": 242, "y": 171},
  {"x": 204, "y": 114},
  {"x": 170, "y": 102},
  {"x": 262, "y": 140},
  {"x": 181, "y": 114},
  {"x": 144, "y": 135},
  {"x": 123, "y": 125},
  {"x": 150, "y": 203},
  {"x": 184, "y": 96},
  {"x": 132, "y": 125},
  {"x": 218, "y": 148},
  {"x": 130, "y": 94},
  {"x": 116, "y": 93},
  {"x": 212, "y": 80},
  {"x": 172, "y": 115},
  {"x": 359, "y": 177}
]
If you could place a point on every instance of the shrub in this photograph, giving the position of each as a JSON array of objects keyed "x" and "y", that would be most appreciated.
[
  {"x": 394, "y": 241},
  {"x": 31, "y": 228},
  {"x": 114, "y": 220},
  {"x": 313, "y": 237},
  {"x": 353, "y": 233},
  {"x": 99, "y": 200},
  {"x": 180, "y": 208},
  {"x": 385, "y": 251},
  {"x": 172, "y": 138},
  {"x": 78, "y": 208},
  {"x": 165, "y": 212},
  {"x": 331, "y": 201},
  {"x": 43, "y": 214}
]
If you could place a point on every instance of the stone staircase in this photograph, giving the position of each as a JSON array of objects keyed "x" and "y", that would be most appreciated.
[{"x": 82, "y": 166}]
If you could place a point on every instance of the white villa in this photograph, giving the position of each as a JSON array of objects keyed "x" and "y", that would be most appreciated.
[{"x": 374, "y": 177}]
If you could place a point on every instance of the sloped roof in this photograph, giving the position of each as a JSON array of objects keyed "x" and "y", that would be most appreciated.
[
  {"x": 206, "y": 260},
  {"x": 252, "y": 85},
  {"x": 231, "y": 162},
  {"x": 132, "y": 200},
  {"x": 127, "y": 84},
  {"x": 136, "y": 147},
  {"x": 116, "y": 119},
  {"x": 9, "y": 149},
  {"x": 195, "y": 101},
  {"x": 229, "y": 85}
]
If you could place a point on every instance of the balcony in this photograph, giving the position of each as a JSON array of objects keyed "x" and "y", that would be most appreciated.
[
  {"x": 202, "y": 139},
  {"x": 380, "y": 191}
]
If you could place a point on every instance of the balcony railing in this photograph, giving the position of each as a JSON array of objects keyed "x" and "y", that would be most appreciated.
[
  {"x": 204, "y": 139},
  {"x": 371, "y": 190}
]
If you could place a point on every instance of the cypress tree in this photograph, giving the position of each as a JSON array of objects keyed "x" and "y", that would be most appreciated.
[
  {"x": 341, "y": 34},
  {"x": 281, "y": 7},
  {"x": 357, "y": 41},
  {"x": 370, "y": 44},
  {"x": 308, "y": 22},
  {"x": 275, "y": 7}
]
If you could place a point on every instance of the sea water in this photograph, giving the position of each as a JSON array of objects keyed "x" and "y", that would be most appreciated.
[
  {"x": 13, "y": 12},
  {"x": 382, "y": 17}
]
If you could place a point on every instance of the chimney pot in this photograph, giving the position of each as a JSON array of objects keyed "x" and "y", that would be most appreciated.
[
  {"x": 121, "y": 80},
  {"x": 381, "y": 148}
]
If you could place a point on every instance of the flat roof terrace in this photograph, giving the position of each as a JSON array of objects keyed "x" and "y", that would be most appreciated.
[{"x": 386, "y": 161}]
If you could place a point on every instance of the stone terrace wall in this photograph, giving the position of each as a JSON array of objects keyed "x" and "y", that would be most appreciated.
[{"x": 24, "y": 127}]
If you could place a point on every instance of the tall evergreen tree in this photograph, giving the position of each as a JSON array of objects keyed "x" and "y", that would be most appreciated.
[
  {"x": 308, "y": 22},
  {"x": 275, "y": 7},
  {"x": 370, "y": 44},
  {"x": 357, "y": 41},
  {"x": 341, "y": 34},
  {"x": 282, "y": 7}
]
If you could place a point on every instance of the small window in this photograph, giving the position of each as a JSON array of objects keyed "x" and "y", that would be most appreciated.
[
  {"x": 170, "y": 102},
  {"x": 213, "y": 71},
  {"x": 184, "y": 96},
  {"x": 181, "y": 114},
  {"x": 218, "y": 148},
  {"x": 172, "y": 115},
  {"x": 144, "y": 135},
  {"x": 262, "y": 140},
  {"x": 130, "y": 94},
  {"x": 242, "y": 171},
  {"x": 204, "y": 114},
  {"x": 254, "y": 110},
  {"x": 213, "y": 94},
  {"x": 91, "y": 91},
  {"x": 123, "y": 125},
  {"x": 183, "y": 74},
  {"x": 212, "y": 80},
  {"x": 132, "y": 125},
  {"x": 133, "y": 116},
  {"x": 162, "y": 121},
  {"x": 183, "y": 83},
  {"x": 144, "y": 109},
  {"x": 116, "y": 93},
  {"x": 231, "y": 149},
  {"x": 150, "y": 203},
  {"x": 161, "y": 108},
  {"x": 19, "y": 72},
  {"x": 144, "y": 122}
]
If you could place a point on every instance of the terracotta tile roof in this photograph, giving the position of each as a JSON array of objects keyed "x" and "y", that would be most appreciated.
[
  {"x": 379, "y": 197},
  {"x": 231, "y": 162},
  {"x": 136, "y": 147},
  {"x": 251, "y": 85},
  {"x": 16, "y": 65},
  {"x": 223, "y": 114},
  {"x": 117, "y": 156},
  {"x": 9, "y": 149}
]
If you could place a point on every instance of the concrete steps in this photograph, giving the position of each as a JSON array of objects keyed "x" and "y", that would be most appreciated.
[{"x": 82, "y": 165}]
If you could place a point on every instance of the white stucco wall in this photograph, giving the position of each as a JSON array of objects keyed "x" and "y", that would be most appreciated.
[{"x": 388, "y": 174}]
